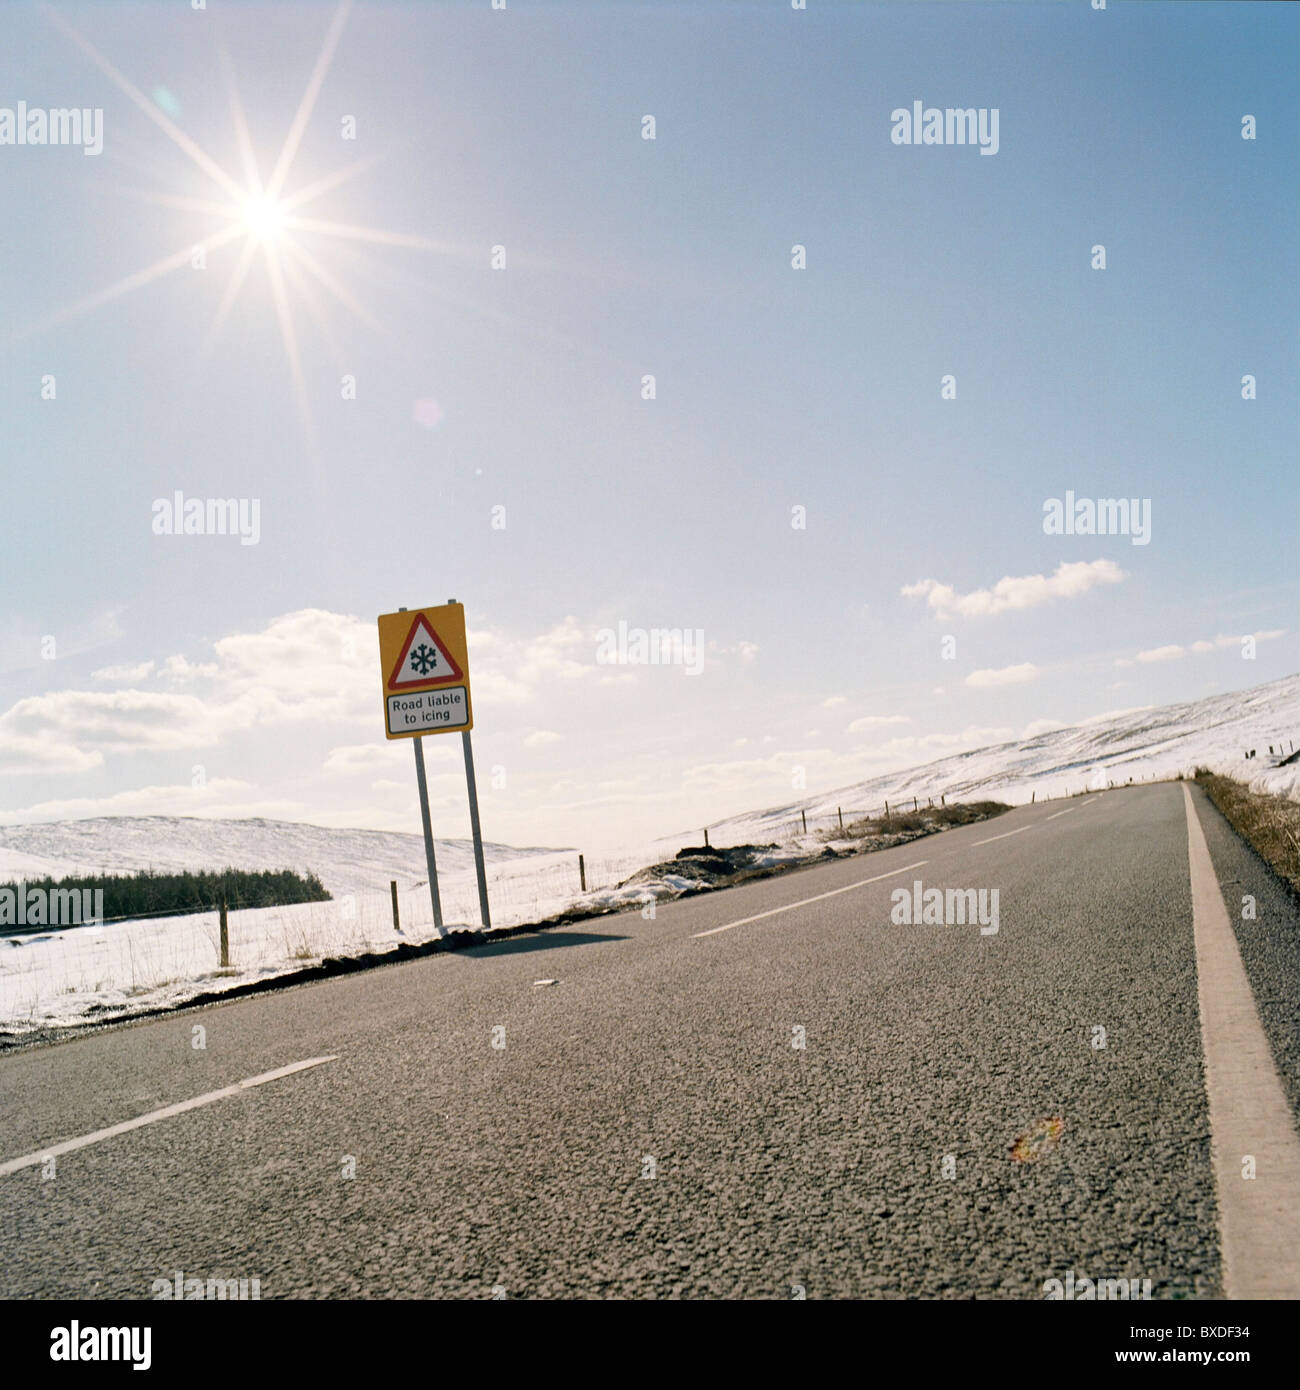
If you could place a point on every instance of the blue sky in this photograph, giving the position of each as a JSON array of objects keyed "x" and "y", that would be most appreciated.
[{"x": 775, "y": 388}]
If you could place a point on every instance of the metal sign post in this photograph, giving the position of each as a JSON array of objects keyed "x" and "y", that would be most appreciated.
[
  {"x": 430, "y": 862},
  {"x": 424, "y": 664},
  {"x": 472, "y": 788},
  {"x": 430, "y": 859}
]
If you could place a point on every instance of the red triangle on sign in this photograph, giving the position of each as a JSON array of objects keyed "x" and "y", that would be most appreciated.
[{"x": 424, "y": 660}]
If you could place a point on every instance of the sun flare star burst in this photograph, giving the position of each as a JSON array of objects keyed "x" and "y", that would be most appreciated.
[{"x": 253, "y": 214}]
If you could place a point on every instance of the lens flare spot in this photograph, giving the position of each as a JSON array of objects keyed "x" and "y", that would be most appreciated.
[{"x": 427, "y": 414}]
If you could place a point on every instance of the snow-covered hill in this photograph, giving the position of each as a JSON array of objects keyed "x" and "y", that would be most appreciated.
[
  {"x": 1153, "y": 742},
  {"x": 346, "y": 861},
  {"x": 1138, "y": 743}
]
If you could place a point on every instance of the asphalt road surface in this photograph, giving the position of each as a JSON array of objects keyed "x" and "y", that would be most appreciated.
[{"x": 813, "y": 1102}]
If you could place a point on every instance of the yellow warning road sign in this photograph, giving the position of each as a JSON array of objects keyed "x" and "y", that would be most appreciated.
[{"x": 424, "y": 665}]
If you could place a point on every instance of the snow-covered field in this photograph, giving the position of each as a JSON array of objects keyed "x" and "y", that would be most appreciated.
[
  {"x": 87, "y": 974},
  {"x": 52, "y": 979}
]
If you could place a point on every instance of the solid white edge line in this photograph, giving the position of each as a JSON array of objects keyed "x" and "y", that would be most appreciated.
[
  {"x": 1003, "y": 836},
  {"x": 68, "y": 1145},
  {"x": 1259, "y": 1217},
  {"x": 790, "y": 907}
]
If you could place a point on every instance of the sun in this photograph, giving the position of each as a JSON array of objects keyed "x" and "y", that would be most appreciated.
[
  {"x": 264, "y": 218},
  {"x": 260, "y": 218},
  {"x": 257, "y": 216}
]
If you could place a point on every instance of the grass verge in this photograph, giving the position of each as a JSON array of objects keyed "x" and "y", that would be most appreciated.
[
  {"x": 1269, "y": 824},
  {"x": 929, "y": 819}
]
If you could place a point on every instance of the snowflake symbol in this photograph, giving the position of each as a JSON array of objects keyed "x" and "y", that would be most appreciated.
[{"x": 424, "y": 659}]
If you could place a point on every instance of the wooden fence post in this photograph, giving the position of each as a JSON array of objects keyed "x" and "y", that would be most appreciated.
[
  {"x": 582, "y": 872},
  {"x": 225, "y": 937},
  {"x": 397, "y": 922}
]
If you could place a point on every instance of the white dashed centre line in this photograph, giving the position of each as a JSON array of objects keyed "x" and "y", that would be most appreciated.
[
  {"x": 1004, "y": 836},
  {"x": 1066, "y": 812},
  {"x": 68, "y": 1145},
  {"x": 790, "y": 907}
]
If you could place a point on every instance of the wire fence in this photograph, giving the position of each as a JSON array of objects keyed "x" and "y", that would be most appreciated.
[{"x": 801, "y": 822}]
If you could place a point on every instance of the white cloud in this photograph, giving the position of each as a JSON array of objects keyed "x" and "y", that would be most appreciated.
[
  {"x": 1069, "y": 580},
  {"x": 302, "y": 668},
  {"x": 119, "y": 721},
  {"x": 178, "y": 668},
  {"x": 357, "y": 759},
  {"x": 1173, "y": 651},
  {"x": 539, "y": 738},
  {"x": 760, "y": 777},
  {"x": 832, "y": 701},
  {"x": 218, "y": 798},
  {"x": 1269, "y": 636},
  {"x": 715, "y": 652},
  {"x": 137, "y": 672},
  {"x": 876, "y": 721},
  {"x": 992, "y": 677},
  {"x": 24, "y": 755},
  {"x": 511, "y": 670},
  {"x": 309, "y": 665}
]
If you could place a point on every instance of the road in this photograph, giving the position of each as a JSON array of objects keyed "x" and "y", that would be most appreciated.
[{"x": 646, "y": 1126}]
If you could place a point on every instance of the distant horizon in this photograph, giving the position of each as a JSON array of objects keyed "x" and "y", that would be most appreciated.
[{"x": 809, "y": 796}]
